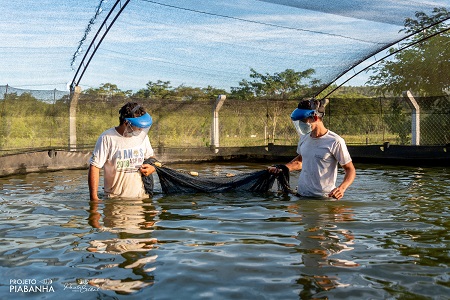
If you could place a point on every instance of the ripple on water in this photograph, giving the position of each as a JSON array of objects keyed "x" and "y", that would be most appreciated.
[{"x": 388, "y": 238}]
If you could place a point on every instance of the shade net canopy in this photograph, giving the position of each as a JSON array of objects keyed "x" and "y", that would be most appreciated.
[{"x": 194, "y": 43}]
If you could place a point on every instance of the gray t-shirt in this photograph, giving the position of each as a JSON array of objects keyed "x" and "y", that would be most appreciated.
[{"x": 320, "y": 157}]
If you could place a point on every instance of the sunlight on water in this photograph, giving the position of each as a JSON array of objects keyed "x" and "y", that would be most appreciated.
[{"x": 387, "y": 239}]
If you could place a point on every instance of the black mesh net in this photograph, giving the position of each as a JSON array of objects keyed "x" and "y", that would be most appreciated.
[{"x": 174, "y": 181}]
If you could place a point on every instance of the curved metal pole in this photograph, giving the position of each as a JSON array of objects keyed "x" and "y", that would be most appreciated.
[
  {"x": 76, "y": 81},
  {"x": 378, "y": 60},
  {"x": 75, "y": 90}
]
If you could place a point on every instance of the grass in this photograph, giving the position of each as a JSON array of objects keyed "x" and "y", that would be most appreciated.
[{"x": 176, "y": 124}]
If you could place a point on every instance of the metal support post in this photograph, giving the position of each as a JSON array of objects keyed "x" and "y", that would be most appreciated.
[
  {"x": 215, "y": 136},
  {"x": 415, "y": 117}
]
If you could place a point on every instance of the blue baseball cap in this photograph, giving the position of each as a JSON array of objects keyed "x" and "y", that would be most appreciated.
[
  {"x": 143, "y": 121},
  {"x": 301, "y": 114}
]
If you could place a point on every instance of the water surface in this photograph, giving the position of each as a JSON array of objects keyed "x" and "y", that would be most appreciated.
[{"x": 387, "y": 239}]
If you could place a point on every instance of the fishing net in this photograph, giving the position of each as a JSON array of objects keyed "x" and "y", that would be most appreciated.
[{"x": 174, "y": 181}]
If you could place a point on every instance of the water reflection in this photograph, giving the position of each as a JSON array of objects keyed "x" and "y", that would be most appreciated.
[
  {"x": 322, "y": 238},
  {"x": 388, "y": 239},
  {"x": 127, "y": 219},
  {"x": 423, "y": 207}
]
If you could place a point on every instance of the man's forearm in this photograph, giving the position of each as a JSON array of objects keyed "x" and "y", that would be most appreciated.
[
  {"x": 349, "y": 177},
  {"x": 93, "y": 181},
  {"x": 295, "y": 164}
]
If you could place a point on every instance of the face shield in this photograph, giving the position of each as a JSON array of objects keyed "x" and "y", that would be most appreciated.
[
  {"x": 139, "y": 126},
  {"x": 300, "y": 115}
]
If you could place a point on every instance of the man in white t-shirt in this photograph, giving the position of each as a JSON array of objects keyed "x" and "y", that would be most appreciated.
[
  {"x": 121, "y": 151},
  {"x": 319, "y": 153}
]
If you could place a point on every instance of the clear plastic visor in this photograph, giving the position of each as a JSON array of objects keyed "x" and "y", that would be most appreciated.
[
  {"x": 137, "y": 134},
  {"x": 297, "y": 127}
]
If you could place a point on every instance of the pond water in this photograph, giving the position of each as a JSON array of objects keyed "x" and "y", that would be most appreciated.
[{"x": 388, "y": 238}]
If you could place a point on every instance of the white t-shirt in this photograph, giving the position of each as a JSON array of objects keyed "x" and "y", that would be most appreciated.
[
  {"x": 320, "y": 157},
  {"x": 121, "y": 158}
]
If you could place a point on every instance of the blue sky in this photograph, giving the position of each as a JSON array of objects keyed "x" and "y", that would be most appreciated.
[{"x": 194, "y": 43}]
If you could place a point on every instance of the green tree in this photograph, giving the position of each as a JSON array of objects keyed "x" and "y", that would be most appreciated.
[
  {"x": 283, "y": 85},
  {"x": 212, "y": 92},
  {"x": 106, "y": 91},
  {"x": 155, "y": 90},
  {"x": 398, "y": 121},
  {"x": 424, "y": 67},
  {"x": 245, "y": 91},
  {"x": 187, "y": 93}
]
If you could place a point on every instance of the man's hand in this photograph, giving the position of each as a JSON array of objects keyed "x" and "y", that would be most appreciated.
[
  {"x": 273, "y": 170},
  {"x": 337, "y": 193},
  {"x": 94, "y": 198},
  {"x": 147, "y": 169},
  {"x": 350, "y": 175}
]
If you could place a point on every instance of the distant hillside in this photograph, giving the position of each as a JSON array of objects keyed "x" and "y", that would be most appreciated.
[{"x": 367, "y": 91}]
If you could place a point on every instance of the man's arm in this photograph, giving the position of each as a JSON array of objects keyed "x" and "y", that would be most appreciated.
[
  {"x": 350, "y": 174},
  {"x": 293, "y": 165},
  {"x": 93, "y": 180}
]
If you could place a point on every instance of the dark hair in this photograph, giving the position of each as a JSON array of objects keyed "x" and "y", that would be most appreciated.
[
  {"x": 317, "y": 105},
  {"x": 305, "y": 104},
  {"x": 130, "y": 110}
]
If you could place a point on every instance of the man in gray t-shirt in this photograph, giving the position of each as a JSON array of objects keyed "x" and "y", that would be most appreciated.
[{"x": 319, "y": 152}]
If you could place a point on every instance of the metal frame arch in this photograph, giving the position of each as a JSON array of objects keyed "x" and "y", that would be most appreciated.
[
  {"x": 372, "y": 55},
  {"x": 93, "y": 45}
]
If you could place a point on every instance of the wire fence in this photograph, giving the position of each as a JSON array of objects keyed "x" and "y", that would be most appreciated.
[{"x": 33, "y": 120}]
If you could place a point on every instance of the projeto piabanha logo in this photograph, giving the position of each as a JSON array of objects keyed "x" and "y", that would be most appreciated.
[{"x": 31, "y": 286}]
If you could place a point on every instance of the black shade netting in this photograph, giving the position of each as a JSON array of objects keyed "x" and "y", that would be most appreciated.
[{"x": 173, "y": 181}]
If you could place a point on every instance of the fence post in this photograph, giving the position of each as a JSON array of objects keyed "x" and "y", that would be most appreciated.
[
  {"x": 4, "y": 101},
  {"x": 73, "y": 118},
  {"x": 215, "y": 123},
  {"x": 415, "y": 117}
]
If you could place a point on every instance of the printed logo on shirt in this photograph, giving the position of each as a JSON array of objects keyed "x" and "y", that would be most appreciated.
[{"x": 129, "y": 160}]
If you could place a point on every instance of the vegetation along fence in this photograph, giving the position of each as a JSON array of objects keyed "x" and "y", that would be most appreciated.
[{"x": 33, "y": 120}]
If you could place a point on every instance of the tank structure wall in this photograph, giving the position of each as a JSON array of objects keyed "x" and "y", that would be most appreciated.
[
  {"x": 43, "y": 161},
  {"x": 54, "y": 160}
]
